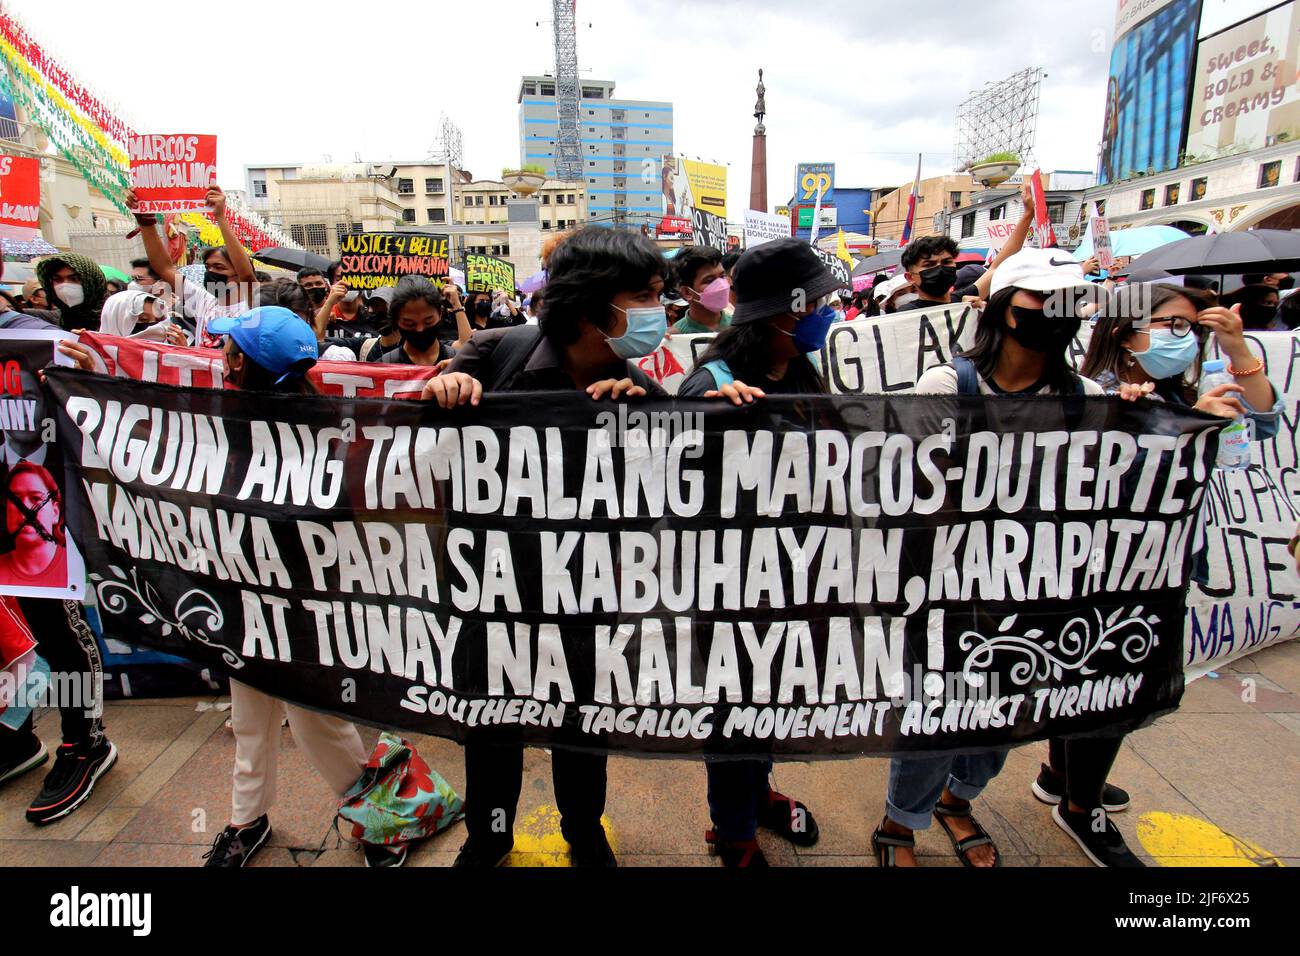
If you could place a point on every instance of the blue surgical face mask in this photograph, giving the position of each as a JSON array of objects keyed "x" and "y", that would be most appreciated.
[
  {"x": 810, "y": 330},
  {"x": 1167, "y": 354},
  {"x": 645, "y": 330}
]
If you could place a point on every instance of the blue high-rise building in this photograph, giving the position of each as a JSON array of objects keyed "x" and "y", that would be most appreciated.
[{"x": 623, "y": 145}]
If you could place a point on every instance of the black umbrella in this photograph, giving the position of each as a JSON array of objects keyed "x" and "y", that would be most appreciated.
[
  {"x": 1227, "y": 253},
  {"x": 291, "y": 258},
  {"x": 876, "y": 263}
]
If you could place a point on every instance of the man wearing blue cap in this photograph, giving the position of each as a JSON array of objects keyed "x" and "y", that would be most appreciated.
[{"x": 267, "y": 349}]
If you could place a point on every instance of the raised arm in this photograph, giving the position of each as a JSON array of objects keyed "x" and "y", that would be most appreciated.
[
  {"x": 235, "y": 251},
  {"x": 1015, "y": 242},
  {"x": 451, "y": 295}
]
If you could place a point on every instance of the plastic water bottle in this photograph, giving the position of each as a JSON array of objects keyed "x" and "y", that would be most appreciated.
[{"x": 1234, "y": 441}]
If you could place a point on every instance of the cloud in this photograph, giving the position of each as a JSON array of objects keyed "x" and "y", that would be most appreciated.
[{"x": 866, "y": 86}]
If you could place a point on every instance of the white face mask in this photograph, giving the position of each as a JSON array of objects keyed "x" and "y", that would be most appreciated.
[{"x": 70, "y": 294}]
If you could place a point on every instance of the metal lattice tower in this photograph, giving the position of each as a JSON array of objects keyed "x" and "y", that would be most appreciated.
[
  {"x": 448, "y": 148},
  {"x": 568, "y": 149},
  {"x": 1002, "y": 116}
]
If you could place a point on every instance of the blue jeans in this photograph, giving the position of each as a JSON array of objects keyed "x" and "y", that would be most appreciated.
[
  {"x": 735, "y": 789},
  {"x": 916, "y": 783}
]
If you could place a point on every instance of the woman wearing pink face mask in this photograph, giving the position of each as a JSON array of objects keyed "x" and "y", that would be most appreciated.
[{"x": 704, "y": 285}]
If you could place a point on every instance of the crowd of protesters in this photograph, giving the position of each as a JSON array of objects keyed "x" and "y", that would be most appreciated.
[{"x": 611, "y": 298}]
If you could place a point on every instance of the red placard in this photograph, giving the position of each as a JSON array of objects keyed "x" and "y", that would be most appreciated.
[
  {"x": 202, "y": 368},
  {"x": 172, "y": 172},
  {"x": 1042, "y": 221},
  {"x": 20, "y": 197}
]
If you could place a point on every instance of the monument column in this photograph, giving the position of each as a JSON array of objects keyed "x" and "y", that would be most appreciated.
[{"x": 758, "y": 166}]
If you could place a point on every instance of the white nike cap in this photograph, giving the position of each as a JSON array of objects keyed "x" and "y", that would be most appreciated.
[{"x": 1038, "y": 270}]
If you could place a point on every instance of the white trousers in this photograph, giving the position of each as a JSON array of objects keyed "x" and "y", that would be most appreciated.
[{"x": 332, "y": 745}]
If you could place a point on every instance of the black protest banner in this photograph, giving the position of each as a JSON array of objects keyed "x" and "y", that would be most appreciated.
[
  {"x": 805, "y": 576},
  {"x": 374, "y": 259},
  {"x": 487, "y": 274},
  {"x": 708, "y": 229},
  {"x": 835, "y": 264}
]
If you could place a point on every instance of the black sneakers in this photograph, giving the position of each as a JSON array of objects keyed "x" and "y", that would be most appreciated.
[
  {"x": 235, "y": 846},
  {"x": 1050, "y": 789},
  {"x": 28, "y": 754},
  {"x": 483, "y": 856},
  {"x": 378, "y": 855},
  {"x": 71, "y": 779},
  {"x": 1104, "y": 848}
]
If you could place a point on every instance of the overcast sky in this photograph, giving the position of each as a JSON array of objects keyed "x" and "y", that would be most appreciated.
[{"x": 862, "y": 83}]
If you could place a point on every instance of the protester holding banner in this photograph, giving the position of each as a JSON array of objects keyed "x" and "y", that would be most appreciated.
[
  {"x": 601, "y": 310},
  {"x": 930, "y": 262},
  {"x": 1020, "y": 348},
  {"x": 270, "y": 349},
  {"x": 702, "y": 282},
  {"x": 783, "y": 327},
  {"x": 780, "y": 321},
  {"x": 74, "y": 287},
  {"x": 1152, "y": 338},
  {"x": 228, "y": 275},
  {"x": 313, "y": 283}
]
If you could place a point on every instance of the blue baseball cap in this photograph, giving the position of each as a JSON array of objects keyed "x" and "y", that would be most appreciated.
[{"x": 273, "y": 337}]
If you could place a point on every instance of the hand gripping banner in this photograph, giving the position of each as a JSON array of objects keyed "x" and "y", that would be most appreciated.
[{"x": 803, "y": 577}]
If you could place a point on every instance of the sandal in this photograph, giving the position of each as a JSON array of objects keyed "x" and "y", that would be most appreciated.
[
  {"x": 886, "y": 845},
  {"x": 943, "y": 812},
  {"x": 736, "y": 854},
  {"x": 779, "y": 813}
]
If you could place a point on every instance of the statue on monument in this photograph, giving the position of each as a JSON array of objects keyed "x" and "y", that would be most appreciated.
[{"x": 760, "y": 108}]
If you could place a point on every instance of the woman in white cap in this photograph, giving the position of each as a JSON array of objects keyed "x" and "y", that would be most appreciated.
[{"x": 1020, "y": 348}]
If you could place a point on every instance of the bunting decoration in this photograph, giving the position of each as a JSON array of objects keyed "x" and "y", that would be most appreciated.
[{"x": 90, "y": 136}]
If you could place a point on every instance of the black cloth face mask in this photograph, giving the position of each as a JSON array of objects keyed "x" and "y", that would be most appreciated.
[
  {"x": 937, "y": 280},
  {"x": 421, "y": 340},
  {"x": 1038, "y": 333}
]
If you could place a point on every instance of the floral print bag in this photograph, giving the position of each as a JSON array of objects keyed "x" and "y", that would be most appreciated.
[{"x": 398, "y": 798}]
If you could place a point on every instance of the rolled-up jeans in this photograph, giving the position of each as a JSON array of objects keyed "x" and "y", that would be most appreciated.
[{"x": 917, "y": 782}]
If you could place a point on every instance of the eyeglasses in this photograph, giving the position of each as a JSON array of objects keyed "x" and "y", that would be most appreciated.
[{"x": 1178, "y": 325}]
